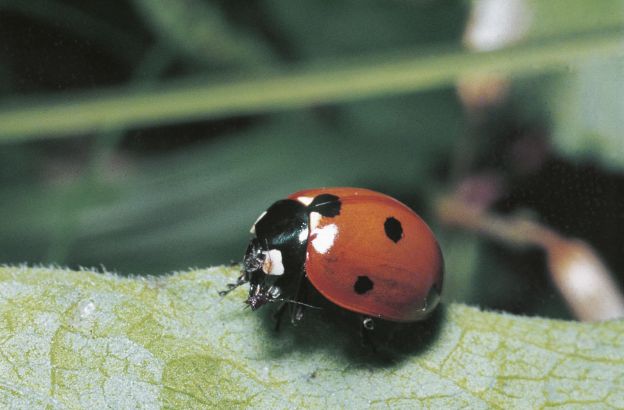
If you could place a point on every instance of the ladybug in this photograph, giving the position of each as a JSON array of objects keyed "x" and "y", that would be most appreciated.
[{"x": 362, "y": 250}]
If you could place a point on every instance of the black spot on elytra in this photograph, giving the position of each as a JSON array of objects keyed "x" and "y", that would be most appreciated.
[
  {"x": 327, "y": 205},
  {"x": 362, "y": 285},
  {"x": 393, "y": 229}
]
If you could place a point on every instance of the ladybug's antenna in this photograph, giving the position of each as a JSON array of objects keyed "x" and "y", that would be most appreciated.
[{"x": 296, "y": 303}]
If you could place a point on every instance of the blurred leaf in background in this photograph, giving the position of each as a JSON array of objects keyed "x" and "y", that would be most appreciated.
[{"x": 165, "y": 193}]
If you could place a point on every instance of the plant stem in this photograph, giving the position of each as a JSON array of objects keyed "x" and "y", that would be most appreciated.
[{"x": 322, "y": 84}]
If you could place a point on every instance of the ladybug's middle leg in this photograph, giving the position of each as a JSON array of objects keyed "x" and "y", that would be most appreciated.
[{"x": 296, "y": 310}]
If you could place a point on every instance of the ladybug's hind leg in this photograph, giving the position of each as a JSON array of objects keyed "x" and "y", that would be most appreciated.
[{"x": 367, "y": 325}]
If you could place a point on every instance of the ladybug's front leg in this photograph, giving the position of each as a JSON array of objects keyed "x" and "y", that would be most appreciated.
[{"x": 231, "y": 286}]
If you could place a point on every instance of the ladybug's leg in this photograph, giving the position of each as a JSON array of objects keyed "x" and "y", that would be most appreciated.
[
  {"x": 296, "y": 310},
  {"x": 368, "y": 323},
  {"x": 231, "y": 286},
  {"x": 277, "y": 316},
  {"x": 366, "y": 327}
]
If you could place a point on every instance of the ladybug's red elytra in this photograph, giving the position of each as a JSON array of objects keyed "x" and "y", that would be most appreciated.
[{"x": 362, "y": 250}]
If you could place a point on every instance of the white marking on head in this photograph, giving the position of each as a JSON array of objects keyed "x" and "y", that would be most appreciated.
[
  {"x": 315, "y": 218},
  {"x": 273, "y": 263},
  {"x": 303, "y": 235},
  {"x": 253, "y": 227},
  {"x": 306, "y": 200},
  {"x": 324, "y": 238}
]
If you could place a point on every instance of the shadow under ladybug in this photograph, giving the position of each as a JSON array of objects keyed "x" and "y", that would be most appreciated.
[{"x": 335, "y": 330}]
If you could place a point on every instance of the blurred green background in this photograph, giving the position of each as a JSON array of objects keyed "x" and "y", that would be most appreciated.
[{"x": 146, "y": 136}]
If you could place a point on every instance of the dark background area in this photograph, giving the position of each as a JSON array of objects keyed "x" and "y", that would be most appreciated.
[{"x": 155, "y": 198}]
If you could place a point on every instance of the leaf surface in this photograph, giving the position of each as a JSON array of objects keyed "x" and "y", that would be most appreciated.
[{"x": 77, "y": 339}]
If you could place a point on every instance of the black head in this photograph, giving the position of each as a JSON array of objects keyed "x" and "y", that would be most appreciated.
[{"x": 273, "y": 263}]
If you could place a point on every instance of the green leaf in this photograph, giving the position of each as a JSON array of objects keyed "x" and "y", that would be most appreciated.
[{"x": 89, "y": 340}]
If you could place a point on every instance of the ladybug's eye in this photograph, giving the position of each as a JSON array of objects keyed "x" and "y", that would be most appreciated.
[{"x": 254, "y": 257}]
